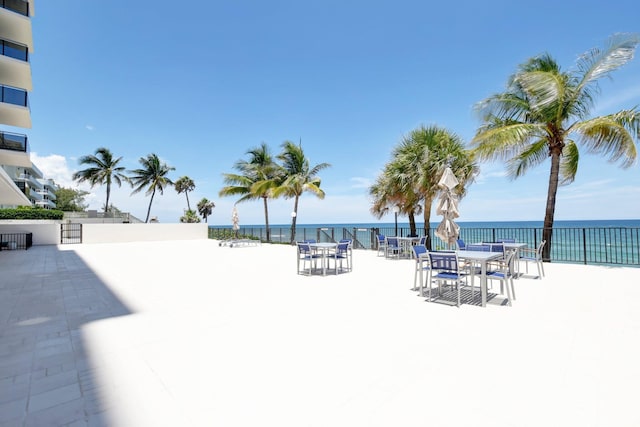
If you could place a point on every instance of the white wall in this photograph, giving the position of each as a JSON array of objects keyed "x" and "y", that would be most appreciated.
[
  {"x": 44, "y": 232},
  {"x": 113, "y": 233},
  {"x": 48, "y": 232}
]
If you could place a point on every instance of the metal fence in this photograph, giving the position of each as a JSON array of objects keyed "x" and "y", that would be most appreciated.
[
  {"x": 13, "y": 241},
  {"x": 597, "y": 245}
]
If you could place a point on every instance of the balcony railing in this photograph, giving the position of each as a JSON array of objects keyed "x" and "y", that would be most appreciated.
[
  {"x": 45, "y": 203},
  {"x": 590, "y": 245},
  {"x": 13, "y": 141},
  {"x": 12, "y": 95},
  {"x": 33, "y": 182},
  {"x": 14, "y": 50},
  {"x": 17, "y": 6}
]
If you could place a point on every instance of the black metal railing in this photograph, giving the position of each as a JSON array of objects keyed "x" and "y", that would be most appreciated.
[
  {"x": 13, "y": 141},
  {"x": 18, "y": 6},
  {"x": 12, "y": 95},
  {"x": 14, "y": 50},
  {"x": 13, "y": 241},
  {"x": 591, "y": 245}
]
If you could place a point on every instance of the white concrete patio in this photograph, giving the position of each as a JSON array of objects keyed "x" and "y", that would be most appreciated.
[{"x": 188, "y": 333}]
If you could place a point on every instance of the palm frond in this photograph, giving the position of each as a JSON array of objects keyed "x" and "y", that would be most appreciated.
[
  {"x": 569, "y": 163},
  {"x": 597, "y": 63},
  {"x": 612, "y": 136},
  {"x": 532, "y": 155}
]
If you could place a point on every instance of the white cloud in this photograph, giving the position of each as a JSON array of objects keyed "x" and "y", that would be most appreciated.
[
  {"x": 90, "y": 127},
  {"x": 54, "y": 167}
]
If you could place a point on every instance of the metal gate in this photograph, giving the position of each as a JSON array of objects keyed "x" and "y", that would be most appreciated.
[{"x": 70, "y": 233}]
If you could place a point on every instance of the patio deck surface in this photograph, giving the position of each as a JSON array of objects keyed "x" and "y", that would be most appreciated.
[{"x": 189, "y": 333}]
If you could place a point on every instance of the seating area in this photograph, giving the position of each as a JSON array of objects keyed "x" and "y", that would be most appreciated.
[
  {"x": 321, "y": 258},
  {"x": 459, "y": 276}
]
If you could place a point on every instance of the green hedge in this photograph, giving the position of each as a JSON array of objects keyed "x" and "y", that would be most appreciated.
[
  {"x": 30, "y": 213},
  {"x": 225, "y": 234}
]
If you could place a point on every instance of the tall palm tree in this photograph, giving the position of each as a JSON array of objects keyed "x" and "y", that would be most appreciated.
[
  {"x": 152, "y": 176},
  {"x": 299, "y": 177},
  {"x": 545, "y": 113},
  {"x": 411, "y": 177},
  {"x": 103, "y": 170},
  {"x": 256, "y": 179},
  {"x": 205, "y": 208},
  {"x": 184, "y": 184},
  {"x": 395, "y": 188}
]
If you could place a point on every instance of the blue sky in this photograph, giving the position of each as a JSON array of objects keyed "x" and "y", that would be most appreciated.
[{"x": 201, "y": 84}]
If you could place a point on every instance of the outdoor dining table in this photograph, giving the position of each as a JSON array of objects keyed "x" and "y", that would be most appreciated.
[
  {"x": 406, "y": 243},
  {"x": 323, "y": 248},
  {"x": 483, "y": 259},
  {"x": 479, "y": 257}
]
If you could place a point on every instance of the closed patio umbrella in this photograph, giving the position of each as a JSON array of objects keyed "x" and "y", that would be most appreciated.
[
  {"x": 448, "y": 230},
  {"x": 235, "y": 221}
]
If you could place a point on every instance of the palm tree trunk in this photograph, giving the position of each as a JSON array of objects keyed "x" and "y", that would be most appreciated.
[
  {"x": 186, "y": 193},
  {"x": 149, "y": 209},
  {"x": 412, "y": 223},
  {"x": 266, "y": 219},
  {"x": 293, "y": 220},
  {"x": 547, "y": 230},
  {"x": 427, "y": 221},
  {"x": 106, "y": 206}
]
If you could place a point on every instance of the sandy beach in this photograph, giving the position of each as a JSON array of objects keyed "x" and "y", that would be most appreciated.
[{"x": 189, "y": 333}]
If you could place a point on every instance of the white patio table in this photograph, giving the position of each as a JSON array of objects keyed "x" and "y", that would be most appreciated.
[
  {"x": 479, "y": 257},
  {"x": 323, "y": 248},
  {"x": 406, "y": 243}
]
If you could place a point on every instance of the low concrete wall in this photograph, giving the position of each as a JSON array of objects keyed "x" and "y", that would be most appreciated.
[
  {"x": 48, "y": 232},
  {"x": 44, "y": 232},
  {"x": 113, "y": 233}
]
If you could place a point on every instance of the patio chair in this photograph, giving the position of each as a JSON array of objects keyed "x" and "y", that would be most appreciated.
[
  {"x": 382, "y": 244},
  {"x": 461, "y": 245},
  {"x": 446, "y": 268},
  {"x": 392, "y": 248},
  {"x": 419, "y": 250},
  {"x": 306, "y": 255},
  {"x": 479, "y": 247},
  {"x": 343, "y": 252},
  {"x": 423, "y": 241},
  {"x": 533, "y": 255},
  {"x": 506, "y": 240},
  {"x": 503, "y": 272}
]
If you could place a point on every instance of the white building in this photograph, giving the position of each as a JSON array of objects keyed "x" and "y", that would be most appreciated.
[{"x": 21, "y": 182}]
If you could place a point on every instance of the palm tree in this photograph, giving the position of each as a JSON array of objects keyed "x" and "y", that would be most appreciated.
[
  {"x": 410, "y": 179},
  {"x": 103, "y": 170},
  {"x": 545, "y": 113},
  {"x": 299, "y": 177},
  {"x": 256, "y": 179},
  {"x": 395, "y": 188},
  {"x": 205, "y": 208},
  {"x": 153, "y": 176},
  {"x": 190, "y": 217},
  {"x": 184, "y": 185}
]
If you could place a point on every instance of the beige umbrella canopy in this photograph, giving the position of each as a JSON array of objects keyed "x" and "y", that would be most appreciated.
[{"x": 448, "y": 230}]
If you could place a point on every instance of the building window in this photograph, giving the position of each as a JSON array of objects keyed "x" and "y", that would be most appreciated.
[
  {"x": 14, "y": 50},
  {"x": 14, "y": 96},
  {"x": 18, "y": 6}
]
